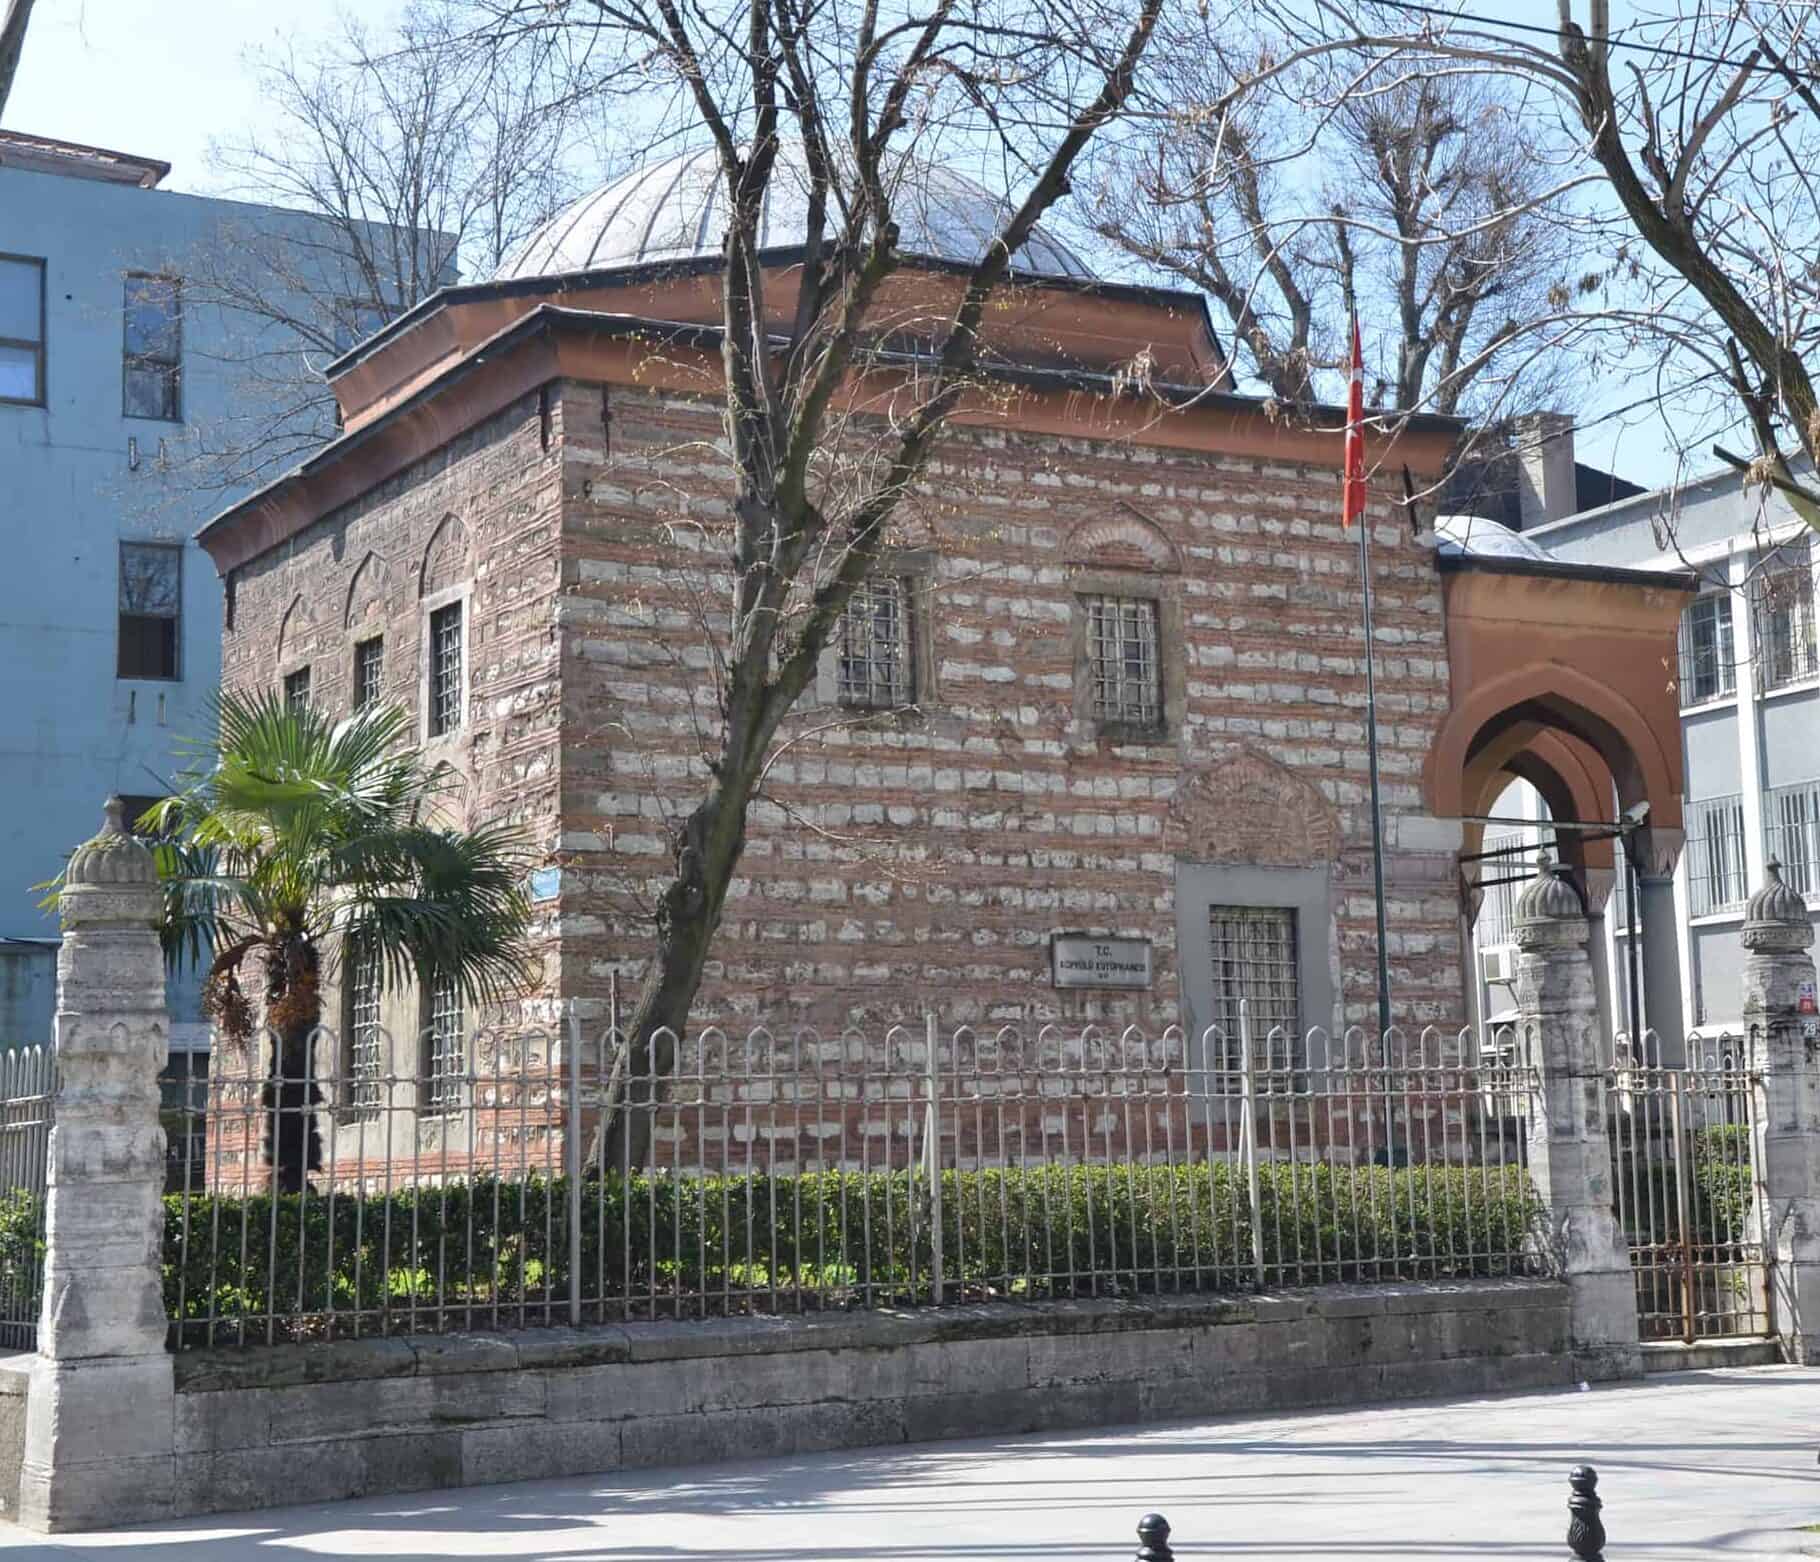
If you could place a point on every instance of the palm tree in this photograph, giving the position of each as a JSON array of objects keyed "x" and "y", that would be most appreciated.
[{"x": 293, "y": 837}]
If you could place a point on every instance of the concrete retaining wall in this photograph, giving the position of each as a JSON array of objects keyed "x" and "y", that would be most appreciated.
[{"x": 313, "y": 1422}]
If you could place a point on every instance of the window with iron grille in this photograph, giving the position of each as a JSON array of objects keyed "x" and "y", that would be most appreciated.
[
  {"x": 22, "y": 329},
  {"x": 365, "y": 1060},
  {"x": 1715, "y": 855},
  {"x": 297, "y": 688},
  {"x": 1788, "y": 649},
  {"x": 369, "y": 672},
  {"x": 875, "y": 665},
  {"x": 447, "y": 704},
  {"x": 1255, "y": 963},
  {"x": 153, "y": 355},
  {"x": 151, "y": 610},
  {"x": 1127, "y": 684},
  {"x": 1708, "y": 667},
  {"x": 1497, "y": 908},
  {"x": 1791, "y": 831},
  {"x": 444, "y": 1048}
]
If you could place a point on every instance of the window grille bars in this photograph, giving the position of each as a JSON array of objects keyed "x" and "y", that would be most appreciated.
[{"x": 1126, "y": 678}]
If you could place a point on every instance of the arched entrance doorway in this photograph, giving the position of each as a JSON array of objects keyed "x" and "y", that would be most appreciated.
[{"x": 1562, "y": 675}]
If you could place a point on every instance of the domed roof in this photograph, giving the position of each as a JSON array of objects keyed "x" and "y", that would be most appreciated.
[
  {"x": 1550, "y": 896},
  {"x": 1475, "y": 537},
  {"x": 1776, "y": 916},
  {"x": 676, "y": 210}
]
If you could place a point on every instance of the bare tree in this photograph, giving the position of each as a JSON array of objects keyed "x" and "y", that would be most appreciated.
[
  {"x": 1702, "y": 124},
  {"x": 411, "y": 159},
  {"x": 830, "y": 422},
  {"x": 1424, "y": 201}
]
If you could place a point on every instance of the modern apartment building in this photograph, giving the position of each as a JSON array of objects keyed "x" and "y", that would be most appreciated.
[{"x": 111, "y": 368}]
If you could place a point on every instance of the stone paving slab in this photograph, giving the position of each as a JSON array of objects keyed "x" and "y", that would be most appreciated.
[{"x": 1719, "y": 1463}]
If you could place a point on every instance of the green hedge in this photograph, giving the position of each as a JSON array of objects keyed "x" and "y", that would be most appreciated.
[{"x": 498, "y": 1251}]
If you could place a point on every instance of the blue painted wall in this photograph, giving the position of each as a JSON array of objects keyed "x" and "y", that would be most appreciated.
[{"x": 70, "y": 731}]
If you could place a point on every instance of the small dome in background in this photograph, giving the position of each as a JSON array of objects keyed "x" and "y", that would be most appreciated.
[
  {"x": 1777, "y": 905},
  {"x": 1476, "y": 537},
  {"x": 676, "y": 210},
  {"x": 113, "y": 857}
]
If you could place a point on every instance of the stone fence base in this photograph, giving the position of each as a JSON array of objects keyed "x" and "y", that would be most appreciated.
[{"x": 265, "y": 1427}]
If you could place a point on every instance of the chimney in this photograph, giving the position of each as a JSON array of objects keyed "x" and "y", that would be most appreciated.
[{"x": 1545, "y": 467}]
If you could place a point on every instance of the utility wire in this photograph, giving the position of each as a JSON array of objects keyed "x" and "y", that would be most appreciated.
[{"x": 1615, "y": 42}]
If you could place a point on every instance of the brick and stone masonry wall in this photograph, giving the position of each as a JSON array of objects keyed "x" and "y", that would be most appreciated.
[
  {"x": 309, "y": 1423},
  {"x": 922, "y": 858},
  {"x": 927, "y": 858}
]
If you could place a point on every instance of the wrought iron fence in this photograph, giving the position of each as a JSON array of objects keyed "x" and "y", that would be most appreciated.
[
  {"x": 1685, "y": 1187},
  {"x": 557, "y": 1179},
  {"x": 27, "y": 1082}
]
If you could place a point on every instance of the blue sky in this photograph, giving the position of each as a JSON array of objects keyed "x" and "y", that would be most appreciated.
[{"x": 160, "y": 77}]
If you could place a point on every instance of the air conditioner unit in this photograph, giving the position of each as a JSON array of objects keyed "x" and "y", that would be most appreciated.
[{"x": 1498, "y": 964}]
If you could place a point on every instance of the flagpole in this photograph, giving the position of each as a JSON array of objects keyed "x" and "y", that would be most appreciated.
[
  {"x": 1353, "y": 507},
  {"x": 1377, "y": 812}
]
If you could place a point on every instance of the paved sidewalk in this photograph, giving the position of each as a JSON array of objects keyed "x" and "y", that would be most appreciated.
[{"x": 1717, "y": 1463}]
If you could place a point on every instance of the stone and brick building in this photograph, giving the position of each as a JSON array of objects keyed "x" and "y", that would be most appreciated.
[{"x": 1109, "y": 683}]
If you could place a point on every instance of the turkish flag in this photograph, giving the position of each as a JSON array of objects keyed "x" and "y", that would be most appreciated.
[{"x": 1354, "y": 505}]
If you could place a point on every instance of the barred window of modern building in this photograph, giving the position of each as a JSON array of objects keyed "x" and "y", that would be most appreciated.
[
  {"x": 448, "y": 704},
  {"x": 1717, "y": 878},
  {"x": 875, "y": 669},
  {"x": 22, "y": 329},
  {"x": 1255, "y": 963},
  {"x": 149, "y": 631},
  {"x": 1708, "y": 666},
  {"x": 152, "y": 357},
  {"x": 1126, "y": 684},
  {"x": 1788, "y": 650},
  {"x": 444, "y": 1048},
  {"x": 1791, "y": 834},
  {"x": 369, "y": 672},
  {"x": 297, "y": 688}
]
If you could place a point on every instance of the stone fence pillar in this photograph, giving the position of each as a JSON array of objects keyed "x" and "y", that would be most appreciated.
[
  {"x": 98, "y": 1432},
  {"x": 1783, "y": 1033},
  {"x": 1569, "y": 1151}
]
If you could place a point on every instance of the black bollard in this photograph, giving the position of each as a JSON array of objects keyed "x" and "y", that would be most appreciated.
[
  {"x": 1153, "y": 1532},
  {"x": 1585, "y": 1534}
]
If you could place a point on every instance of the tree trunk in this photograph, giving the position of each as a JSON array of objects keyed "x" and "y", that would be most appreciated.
[
  {"x": 293, "y": 1143},
  {"x": 688, "y": 915}
]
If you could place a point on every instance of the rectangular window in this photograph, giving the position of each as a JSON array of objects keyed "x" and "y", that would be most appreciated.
[
  {"x": 1791, "y": 829},
  {"x": 1787, "y": 647},
  {"x": 297, "y": 688},
  {"x": 153, "y": 349},
  {"x": 1497, "y": 906},
  {"x": 151, "y": 597},
  {"x": 1708, "y": 667},
  {"x": 1127, "y": 685},
  {"x": 369, "y": 672},
  {"x": 447, "y": 704},
  {"x": 875, "y": 647},
  {"x": 21, "y": 329},
  {"x": 1715, "y": 855},
  {"x": 1255, "y": 964},
  {"x": 365, "y": 1061},
  {"x": 444, "y": 1048}
]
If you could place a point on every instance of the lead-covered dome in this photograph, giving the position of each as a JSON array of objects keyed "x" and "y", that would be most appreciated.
[{"x": 676, "y": 210}]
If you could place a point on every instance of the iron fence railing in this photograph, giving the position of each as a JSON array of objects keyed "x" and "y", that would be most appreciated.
[
  {"x": 1685, "y": 1186},
  {"x": 27, "y": 1082},
  {"x": 557, "y": 1180}
]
